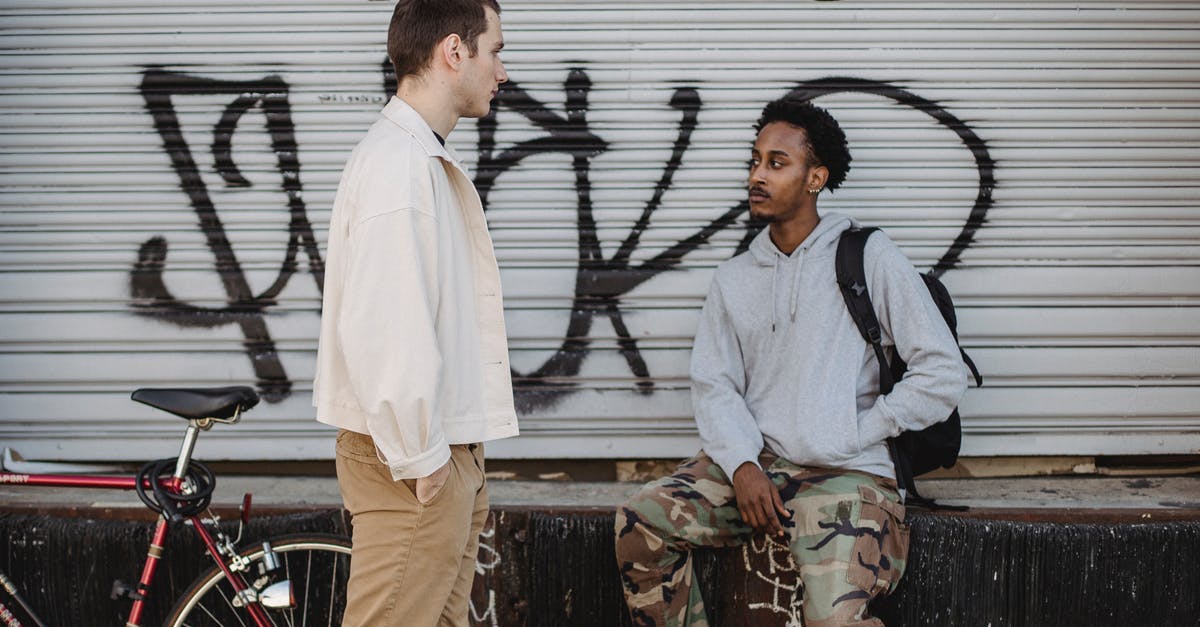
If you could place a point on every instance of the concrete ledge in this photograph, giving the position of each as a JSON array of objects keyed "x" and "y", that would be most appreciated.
[{"x": 1061, "y": 499}]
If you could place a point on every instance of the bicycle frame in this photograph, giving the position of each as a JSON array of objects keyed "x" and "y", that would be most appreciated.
[{"x": 154, "y": 553}]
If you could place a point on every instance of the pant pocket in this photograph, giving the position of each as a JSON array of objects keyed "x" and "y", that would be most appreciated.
[
  {"x": 880, "y": 552},
  {"x": 451, "y": 477},
  {"x": 358, "y": 447},
  {"x": 476, "y": 469}
]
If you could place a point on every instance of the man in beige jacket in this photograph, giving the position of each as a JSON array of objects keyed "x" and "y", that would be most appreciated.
[{"x": 413, "y": 364}]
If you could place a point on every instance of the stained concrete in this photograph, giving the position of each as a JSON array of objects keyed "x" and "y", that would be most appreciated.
[{"x": 1060, "y": 493}]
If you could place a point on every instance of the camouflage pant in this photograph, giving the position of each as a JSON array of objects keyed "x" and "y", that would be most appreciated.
[{"x": 847, "y": 535}]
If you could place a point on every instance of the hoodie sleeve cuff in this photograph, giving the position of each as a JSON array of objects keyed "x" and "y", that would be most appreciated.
[
  {"x": 877, "y": 426},
  {"x": 730, "y": 461}
]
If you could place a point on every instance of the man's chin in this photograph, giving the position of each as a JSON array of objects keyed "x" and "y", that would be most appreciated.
[
  {"x": 479, "y": 112},
  {"x": 759, "y": 215}
]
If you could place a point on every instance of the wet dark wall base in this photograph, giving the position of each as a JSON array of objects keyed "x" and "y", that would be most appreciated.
[{"x": 542, "y": 567}]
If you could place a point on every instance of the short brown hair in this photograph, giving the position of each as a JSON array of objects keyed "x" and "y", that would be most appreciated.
[{"x": 418, "y": 25}]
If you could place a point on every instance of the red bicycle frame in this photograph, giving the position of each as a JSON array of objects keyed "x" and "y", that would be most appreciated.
[{"x": 155, "y": 552}]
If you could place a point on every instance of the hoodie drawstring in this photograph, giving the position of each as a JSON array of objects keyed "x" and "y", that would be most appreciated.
[
  {"x": 823, "y": 239},
  {"x": 796, "y": 285},
  {"x": 794, "y": 297},
  {"x": 774, "y": 278}
]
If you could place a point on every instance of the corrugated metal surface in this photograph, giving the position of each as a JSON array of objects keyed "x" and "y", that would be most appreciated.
[{"x": 159, "y": 161}]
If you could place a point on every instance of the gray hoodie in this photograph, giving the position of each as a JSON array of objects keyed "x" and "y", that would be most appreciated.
[{"x": 778, "y": 362}]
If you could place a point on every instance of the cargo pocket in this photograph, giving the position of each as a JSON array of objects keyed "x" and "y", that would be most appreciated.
[{"x": 880, "y": 552}]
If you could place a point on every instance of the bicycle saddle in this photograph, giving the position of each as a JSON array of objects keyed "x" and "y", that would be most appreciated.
[{"x": 197, "y": 403}]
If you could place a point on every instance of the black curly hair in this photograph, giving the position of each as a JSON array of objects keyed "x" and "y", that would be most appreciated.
[{"x": 826, "y": 141}]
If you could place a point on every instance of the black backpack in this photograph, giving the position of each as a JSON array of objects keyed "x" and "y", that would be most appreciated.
[{"x": 913, "y": 452}]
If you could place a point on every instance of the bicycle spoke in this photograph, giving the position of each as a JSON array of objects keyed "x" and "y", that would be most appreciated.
[
  {"x": 307, "y": 578},
  {"x": 215, "y": 620},
  {"x": 232, "y": 608},
  {"x": 333, "y": 586},
  {"x": 290, "y": 617}
]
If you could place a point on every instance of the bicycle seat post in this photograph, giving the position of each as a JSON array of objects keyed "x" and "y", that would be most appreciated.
[{"x": 185, "y": 450}]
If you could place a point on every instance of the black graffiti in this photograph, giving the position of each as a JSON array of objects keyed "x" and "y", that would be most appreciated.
[
  {"x": 984, "y": 164},
  {"x": 600, "y": 283},
  {"x": 151, "y": 297}
]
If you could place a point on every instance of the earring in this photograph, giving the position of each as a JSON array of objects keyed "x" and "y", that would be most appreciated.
[{"x": 815, "y": 191}]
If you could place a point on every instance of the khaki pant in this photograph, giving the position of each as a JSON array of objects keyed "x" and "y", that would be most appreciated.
[{"x": 411, "y": 565}]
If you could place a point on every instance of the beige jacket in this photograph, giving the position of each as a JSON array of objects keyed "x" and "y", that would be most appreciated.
[{"x": 413, "y": 350}]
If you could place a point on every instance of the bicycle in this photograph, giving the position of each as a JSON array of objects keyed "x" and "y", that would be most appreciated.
[{"x": 297, "y": 579}]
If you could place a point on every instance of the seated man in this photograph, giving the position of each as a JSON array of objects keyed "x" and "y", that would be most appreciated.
[{"x": 786, "y": 395}]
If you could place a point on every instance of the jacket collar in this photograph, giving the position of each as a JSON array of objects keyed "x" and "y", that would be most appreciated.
[{"x": 403, "y": 115}]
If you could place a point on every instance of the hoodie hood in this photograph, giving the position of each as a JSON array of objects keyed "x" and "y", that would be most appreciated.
[{"x": 823, "y": 239}]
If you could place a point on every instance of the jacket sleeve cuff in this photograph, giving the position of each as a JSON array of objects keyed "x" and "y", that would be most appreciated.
[
  {"x": 421, "y": 465},
  {"x": 876, "y": 425}
]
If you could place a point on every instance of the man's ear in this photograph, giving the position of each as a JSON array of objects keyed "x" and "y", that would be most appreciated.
[
  {"x": 817, "y": 177},
  {"x": 452, "y": 50}
]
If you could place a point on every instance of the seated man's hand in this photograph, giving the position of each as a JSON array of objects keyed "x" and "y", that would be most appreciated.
[
  {"x": 425, "y": 488},
  {"x": 758, "y": 500}
]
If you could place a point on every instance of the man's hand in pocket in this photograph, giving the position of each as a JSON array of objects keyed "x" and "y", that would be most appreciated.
[{"x": 426, "y": 488}]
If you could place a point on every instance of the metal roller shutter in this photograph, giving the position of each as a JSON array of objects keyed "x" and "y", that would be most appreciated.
[{"x": 160, "y": 159}]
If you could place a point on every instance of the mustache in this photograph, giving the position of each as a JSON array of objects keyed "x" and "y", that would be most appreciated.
[{"x": 755, "y": 189}]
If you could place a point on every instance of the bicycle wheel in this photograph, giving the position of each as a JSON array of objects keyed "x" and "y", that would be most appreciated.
[{"x": 318, "y": 566}]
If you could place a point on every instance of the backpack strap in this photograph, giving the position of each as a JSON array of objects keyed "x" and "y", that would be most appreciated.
[
  {"x": 971, "y": 364},
  {"x": 852, "y": 279}
]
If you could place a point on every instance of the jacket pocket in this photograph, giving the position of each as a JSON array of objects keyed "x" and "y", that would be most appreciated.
[{"x": 879, "y": 554}]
